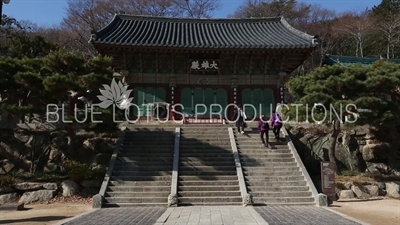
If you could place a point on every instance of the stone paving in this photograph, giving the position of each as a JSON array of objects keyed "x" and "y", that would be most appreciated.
[
  {"x": 302, "y": 215},
  {"x": 120, "y": 216},
  {"x": 214, "y": 215}
]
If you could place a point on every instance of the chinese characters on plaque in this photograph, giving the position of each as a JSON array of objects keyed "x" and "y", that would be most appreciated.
[
  {"x": 328, "y": 180},
  {"x": 282, "y": 94},
  {"x": 204, "y": 64}
]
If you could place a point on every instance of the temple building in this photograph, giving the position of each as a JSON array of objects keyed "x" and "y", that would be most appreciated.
[
  {"x": 204, "y": 61},
  {"x": 351, "y": 60}
]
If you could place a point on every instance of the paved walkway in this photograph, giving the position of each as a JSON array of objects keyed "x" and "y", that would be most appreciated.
[{"x": 214, "y": 215}]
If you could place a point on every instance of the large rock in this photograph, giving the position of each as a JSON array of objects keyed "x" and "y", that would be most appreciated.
[
  {"x": 376, "y": 152},
  {"x": 346, "y": 194},
  {"x": 8, "y": 198},
  {"x": 393, "y": 189},
  {"x": 6, "y": 190},
  {"x": 28, "y": 186},
  {"x": 37, "y": 196},
  {"x": 50, "y": 186},
  {"x": 372, "y": 190},
  {"x": 70, "y": 188},
  {"x": 359, "y": 191}
]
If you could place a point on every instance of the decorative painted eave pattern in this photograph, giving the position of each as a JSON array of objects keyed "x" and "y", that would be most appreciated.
[{"x": 144, "y": 31}]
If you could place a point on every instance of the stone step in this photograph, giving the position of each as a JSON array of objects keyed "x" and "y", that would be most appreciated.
[
  {"x": 208, "y": 173},
  {"x": 214, "y": 182},
  {"x": 126, "y": 205},
  {"x": 203, "y": 136},
  {"x": 205, "y": 142},
  {"x": 265, "y": 150},
  {"x": 281, "y": 200},
  {"x": 201, "y": 147},
  {"x": 257, "y": 169},
  {"x": 260, "y": 170},
  {"x": 282, "y": 194},
  {"x": 159, "y": 159},
  {"x": 140, "y": 183},
  {"x": 207, "y": 200},
  {"x": 259, "y": 146},
  {"x": 275, "y": 183},
  {"x": 200, "y": 178},
  {"x": 207, "y": 168},
  {"x": 274, "y": 178},
  {"x": 143, "y": 173},
  {"x": 136, "y": 137},
  {"x": 138, "y": 194},
  {"x": 209, "y": 188},
  {"x": 185, "y": 194},
  {"x": 205, "y": 155},
  {"x": 136, "y": 168},
  {"x": 134, "y": 177},
  {"x": 136, "y": 200},
  {"x": 206, "y": 159},
  {"x": 139, "y": 189},
  {"x": 248, "y": 165},
  {"x": 272, "y": 173},
  {"x": 270, "y": 154},
  {"x": 144, "y": 154},
  {"x": 206, "y": 130},
  {"x": 138, "y": 162},
  {"x": 267, "y": 160},
  {"x": 139, "y": 147},
  {"x": 230, "y": 162},
  {"x": 257, "y": 189}
]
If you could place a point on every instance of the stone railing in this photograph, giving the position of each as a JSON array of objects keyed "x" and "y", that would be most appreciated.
[
  {"x": 173, "y": 197},
  {"x": 98, "y": 199},
  {"x": 320, "y": 199}
]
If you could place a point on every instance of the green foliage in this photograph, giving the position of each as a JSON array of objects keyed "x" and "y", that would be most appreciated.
[
  {"x": 348, "y": 88},
  {"x": 78, "y": 171}
]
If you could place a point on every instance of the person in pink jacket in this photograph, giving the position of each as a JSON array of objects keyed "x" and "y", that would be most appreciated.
[
  {"x": 276, "y": 122},
  {"x": 263, "y": 128}
]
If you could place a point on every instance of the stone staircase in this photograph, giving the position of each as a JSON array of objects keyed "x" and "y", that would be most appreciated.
[
  {"x": 207, "y": 172},
  {"x": 272, "y": 176},
  {"x": 142, "y": 171}
]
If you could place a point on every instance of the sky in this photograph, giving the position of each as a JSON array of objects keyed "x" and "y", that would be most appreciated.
[{"x": 51, "y": 12}]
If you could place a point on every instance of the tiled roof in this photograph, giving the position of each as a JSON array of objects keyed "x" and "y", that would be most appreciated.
[
  {"x": 349, "y": 60},
  {"x": 143, "y": 31}
]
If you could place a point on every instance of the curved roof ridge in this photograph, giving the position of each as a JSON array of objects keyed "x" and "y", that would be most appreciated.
[
  {"x": 262, "y": 33},
  {"x": 185, "y": 19},
  {"x": 294, "y": 30}
]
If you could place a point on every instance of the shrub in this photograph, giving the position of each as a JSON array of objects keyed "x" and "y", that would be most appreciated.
[{"x": 78, "y": 171}]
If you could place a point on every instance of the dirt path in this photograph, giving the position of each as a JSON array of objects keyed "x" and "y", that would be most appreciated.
[
  {"x": 376, "y": 211},
  {"x": 43, "y": 214}
]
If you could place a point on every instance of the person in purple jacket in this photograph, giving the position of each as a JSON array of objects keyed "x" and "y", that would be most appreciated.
[
  {"x": 276, "y": 122},
  {"x": 263, "y": 128}
]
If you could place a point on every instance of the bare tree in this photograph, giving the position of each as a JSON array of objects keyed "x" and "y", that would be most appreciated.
[
  {"x": 356, "y": 26},
  {"x": 83, "y": 16}
]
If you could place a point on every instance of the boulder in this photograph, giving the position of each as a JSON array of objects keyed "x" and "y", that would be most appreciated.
[
  {"x": 381, "y": 185},
  {"x": 28, "y": 186},
  {"x": 50, "y": 186},
  {"x": 346, "y": 194},
  {"x": 376, "y": 152},
  {"x": 6, "y": 190},
  {"x": 8, "y": 198},
  {"x": 393, "y": 189},
  {"x": 372, "y": 190},
  {"x": 37, "y": 196},
  {"x": 348, "y": 185},
  {"x": 359, "y": 191},
  {"x": 70, "y": 188}
]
